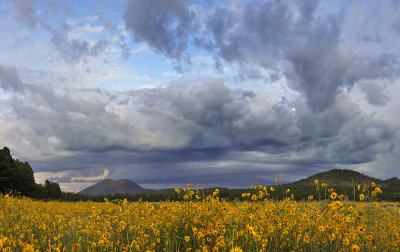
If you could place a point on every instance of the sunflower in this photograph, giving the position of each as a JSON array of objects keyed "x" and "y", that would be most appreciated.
[{"x": 333, "y": 195}]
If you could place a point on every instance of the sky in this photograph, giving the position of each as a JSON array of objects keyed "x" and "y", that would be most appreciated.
[{"x": 170, "y": 92}]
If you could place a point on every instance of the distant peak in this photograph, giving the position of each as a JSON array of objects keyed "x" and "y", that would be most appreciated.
[
  {"x": 109, "y": 186},
  {"x": 107, "y": 181}
]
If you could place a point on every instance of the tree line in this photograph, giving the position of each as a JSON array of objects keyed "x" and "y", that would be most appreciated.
[{"x": 18, "y": 178}]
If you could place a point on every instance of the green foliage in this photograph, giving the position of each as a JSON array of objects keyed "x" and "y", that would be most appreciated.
[
  {"x": 48, "y": 191},
  {"x": 15, "y": 175}
]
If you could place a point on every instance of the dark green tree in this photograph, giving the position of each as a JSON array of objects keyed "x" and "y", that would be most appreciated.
[
  {"x": 52, "y": 190},
  {"x": 15, "y": 175}
]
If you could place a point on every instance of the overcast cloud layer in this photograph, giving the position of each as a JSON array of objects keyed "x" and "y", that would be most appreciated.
[{"x": 173, "y": 92}]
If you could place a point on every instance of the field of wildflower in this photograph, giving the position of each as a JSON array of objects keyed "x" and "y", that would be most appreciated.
[{"x": 202, "y": 223}]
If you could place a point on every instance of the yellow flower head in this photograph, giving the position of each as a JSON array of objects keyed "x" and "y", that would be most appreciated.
[
  {"x": 236, "y": 249},
  {"x": 333, "y": 195},
  {"x": 187, "y": 238},
  {"x": 362, "y": 197},
  {"x": 316, "y": 181},
  {"x": 373, "y": 184},
  {"x": 355, "y": 248}
]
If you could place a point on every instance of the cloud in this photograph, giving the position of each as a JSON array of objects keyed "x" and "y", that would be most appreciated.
[
  {"x": 164, "y": 24},
  {"x": 74, "y": 42},
  {"x": 298, "y": 41},
  {"x": 269, "y": 35},
  {"x": 187, "y": 131},
  {"x": 25, "y": 13},
  {"x": 73, "y": 50},
  {"x": 375, "y": 94},
  {"x": 9, "y": 79},
  {"x": 396, "y": 25}
]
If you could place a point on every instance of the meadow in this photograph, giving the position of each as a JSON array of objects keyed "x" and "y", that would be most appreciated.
[{"x": 203, "y": 223}]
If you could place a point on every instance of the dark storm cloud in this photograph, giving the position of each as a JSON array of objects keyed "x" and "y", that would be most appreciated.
[
  {"x": 212, "y": 115},
  {"x": 220, "y": 126},
  {"x": 155, "y": 167}
]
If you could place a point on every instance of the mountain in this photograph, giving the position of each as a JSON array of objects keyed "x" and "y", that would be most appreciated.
[
  {"x": 109, "y": 186},
  {"x": 344, "y": 177}
]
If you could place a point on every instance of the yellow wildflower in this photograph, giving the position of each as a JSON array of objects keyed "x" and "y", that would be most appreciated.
[{"x": 355, "y": 248}]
